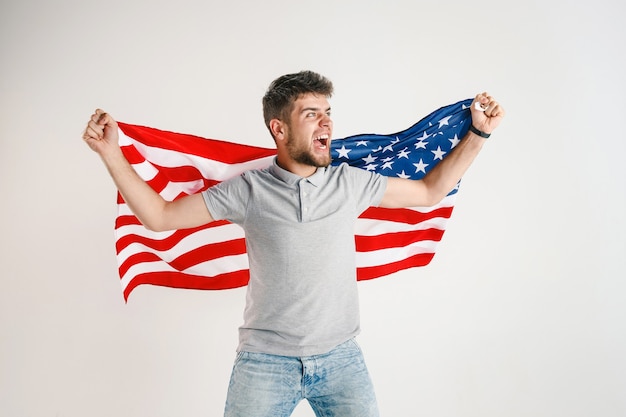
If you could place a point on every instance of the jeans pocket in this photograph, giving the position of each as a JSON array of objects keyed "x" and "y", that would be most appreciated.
[
  {"x": 356, "y": 344},
  {"x": 239, "y": 356}
]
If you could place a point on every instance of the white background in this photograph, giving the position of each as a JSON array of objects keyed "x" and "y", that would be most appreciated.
[{"x": 521, "y": 313}]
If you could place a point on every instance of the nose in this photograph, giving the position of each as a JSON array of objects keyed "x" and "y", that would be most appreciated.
[{"x": 326, "y": 121}]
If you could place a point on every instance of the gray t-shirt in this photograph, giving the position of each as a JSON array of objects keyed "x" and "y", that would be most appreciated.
[{"x": 302, "y": 296}]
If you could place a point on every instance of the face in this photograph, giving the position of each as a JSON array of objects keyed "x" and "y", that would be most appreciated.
[{"x": 309, "y": 131}]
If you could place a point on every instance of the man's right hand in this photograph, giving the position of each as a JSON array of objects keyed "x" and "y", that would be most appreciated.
[{"x": 101, "y": 133}]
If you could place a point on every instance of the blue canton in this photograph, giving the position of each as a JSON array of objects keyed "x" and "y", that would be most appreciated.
[{"x": 412, "y": 152}]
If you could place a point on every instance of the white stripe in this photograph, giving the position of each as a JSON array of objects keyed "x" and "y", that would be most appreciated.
[
  {"x": 145, "y": 170},
  {"x": 173, "y": 189},
  {"x": 220, "y": 266},
  {"x": 369, "y": 227},
  {"x": 386, "y": 256}
]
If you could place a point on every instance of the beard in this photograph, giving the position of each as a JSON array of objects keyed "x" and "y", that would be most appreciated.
[{"x": 306, "y": 157}]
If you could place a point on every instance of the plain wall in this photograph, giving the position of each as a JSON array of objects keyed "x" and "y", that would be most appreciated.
[{"x": 521, "y": 312}]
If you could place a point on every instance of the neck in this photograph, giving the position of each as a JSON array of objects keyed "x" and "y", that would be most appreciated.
[{"x": 296, "y": 168}]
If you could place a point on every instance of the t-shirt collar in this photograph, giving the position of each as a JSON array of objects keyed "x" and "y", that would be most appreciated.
[{"x": 290, "y": 178}]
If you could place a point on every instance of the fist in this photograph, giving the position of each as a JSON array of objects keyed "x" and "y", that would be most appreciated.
[
  {"x": 486, "y": 113},
  {"x": 101, "y": 132}
]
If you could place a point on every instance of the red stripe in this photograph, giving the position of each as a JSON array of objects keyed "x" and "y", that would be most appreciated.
[
  {"x": 137, "y": 259},
  {"x": 132, "y": 155},
  {"x": 158, "y": 183},
  {"x": 180, "y": 174},
  {"x": 194, "y": 282},
  {"x": 371, "y": 272},
  {"x": 405, "y": 215},
  {"x": 395, "y": 240},
  {"x": 227, "y": 152},
  {"x": 127, "y": 220}
]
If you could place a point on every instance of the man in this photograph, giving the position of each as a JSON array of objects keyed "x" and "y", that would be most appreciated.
[{"x": 301, "y": 315}]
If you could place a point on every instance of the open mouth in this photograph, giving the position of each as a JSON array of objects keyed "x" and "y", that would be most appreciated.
[{"x": 321, "y": 141}]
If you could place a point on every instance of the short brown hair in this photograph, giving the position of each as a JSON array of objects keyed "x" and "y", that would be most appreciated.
[{"x": 285, "y": 90}]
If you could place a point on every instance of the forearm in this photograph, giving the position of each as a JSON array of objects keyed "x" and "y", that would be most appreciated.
[
  {"x": 443, "y": 178},
  {"x": 142, "y": 200}
]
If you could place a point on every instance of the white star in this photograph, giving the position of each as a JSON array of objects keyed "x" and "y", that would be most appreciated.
[
  {"x": 371, "y": 167},
  {"x": 369, "y": 159},
  {"x": 387, "y": 165},
  {"x": 421, "y": 166},
  {"x": 404, "y": 153},
  {"x": 343, "y": 152},
  {"x": 444, "y": 121},
  {"x": 390, "y": 146},
  {"x": 455, "y": 141},
  {"x": 403, "y": 175},
  {"x": 439, "y": 153},
  {"x": 362, "y": 143},
  {"x": 387, "y": 159},
  {"x": 424, "y": 136},
  {"x": 421, "y": 144}
]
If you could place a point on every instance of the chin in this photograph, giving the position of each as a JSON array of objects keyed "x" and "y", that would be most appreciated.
[{"x": 323, "y": 163}]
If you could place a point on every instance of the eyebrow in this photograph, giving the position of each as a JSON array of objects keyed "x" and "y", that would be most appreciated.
[{"x": 306, "y": 109}]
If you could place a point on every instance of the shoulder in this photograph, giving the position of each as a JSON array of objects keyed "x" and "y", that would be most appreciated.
[
  {"x": 355, "y": 177},
  {"x": 249, "y": 176},
  {"x": 344, "y": 169}
]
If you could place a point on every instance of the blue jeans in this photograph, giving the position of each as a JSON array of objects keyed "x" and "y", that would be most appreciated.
[{"x": 336, "y": 384}]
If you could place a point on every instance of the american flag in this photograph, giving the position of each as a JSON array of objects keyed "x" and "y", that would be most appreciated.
[{"x": 214, "y": 257}]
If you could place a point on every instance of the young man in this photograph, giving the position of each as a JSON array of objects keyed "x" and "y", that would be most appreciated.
[{"x": 301, "y": 315}]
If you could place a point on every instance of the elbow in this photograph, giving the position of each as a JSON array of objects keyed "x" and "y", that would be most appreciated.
[
  {"x": 436, "y": 191},
  {"x": 434, "y": 197},
  {"x": 154, "y": 227},
  {"x": 157, "y": 219},
  {"x": 155, "y": 223}
]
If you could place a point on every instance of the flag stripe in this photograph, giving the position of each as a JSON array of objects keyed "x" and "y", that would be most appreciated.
[
  {"x": 229, "y": 153},
  {"x": 371, "y": 272},
  {"x": 175, "y": 279}
]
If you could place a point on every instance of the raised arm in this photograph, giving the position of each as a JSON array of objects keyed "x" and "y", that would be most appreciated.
[
  {"x": 438, "y": 182},
  {"x": 155, "y": 213}
]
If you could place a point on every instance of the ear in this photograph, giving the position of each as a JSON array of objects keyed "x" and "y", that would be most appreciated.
[{"x": 277, "y": 128}]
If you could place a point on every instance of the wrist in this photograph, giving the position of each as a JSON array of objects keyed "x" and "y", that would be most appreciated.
[
  {"x": 478, "y": 132},
  {"x": 112, "y": 154}
]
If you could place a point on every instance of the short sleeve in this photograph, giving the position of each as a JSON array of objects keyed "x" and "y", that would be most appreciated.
[
  {"x": 228, "y": 199},
  {"x": 369, "y": 187}
]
